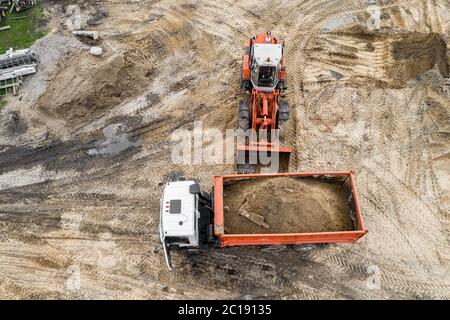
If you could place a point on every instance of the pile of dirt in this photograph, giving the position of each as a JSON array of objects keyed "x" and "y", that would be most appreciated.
[
  {"x": 391, "y": 59},
  {"x": 285, "y": 205},
  {"x": 415, "y": 53},
  {"x": 112, "y": 80}
]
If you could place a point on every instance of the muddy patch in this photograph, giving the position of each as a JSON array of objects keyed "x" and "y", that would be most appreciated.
[
  {"x": 12, "y": 123},
  {"x": 116, "y": 140}
]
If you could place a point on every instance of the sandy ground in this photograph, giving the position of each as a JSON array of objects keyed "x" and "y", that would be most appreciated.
[
  {"x": 85, "y": 148},
  {"x": 285, "y": 205}
]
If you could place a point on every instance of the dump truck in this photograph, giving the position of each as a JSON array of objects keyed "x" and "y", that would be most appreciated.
[{"x": 194, "y": 220}]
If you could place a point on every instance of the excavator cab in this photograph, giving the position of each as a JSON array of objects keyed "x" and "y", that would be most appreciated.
[
  {"x": 267, "y": 76},
  {"x": 266, "y": 63}
]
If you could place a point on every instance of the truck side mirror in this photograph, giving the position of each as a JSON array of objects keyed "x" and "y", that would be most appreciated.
[{"x": 194, "y": 188}]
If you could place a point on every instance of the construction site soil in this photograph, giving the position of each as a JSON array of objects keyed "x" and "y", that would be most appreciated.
[
  {"x": 292, "y": 205},
  {"x": 86, "y": 147}
]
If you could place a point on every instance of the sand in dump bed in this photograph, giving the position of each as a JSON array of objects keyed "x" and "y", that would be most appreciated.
[{"x": 287, "y": 204}]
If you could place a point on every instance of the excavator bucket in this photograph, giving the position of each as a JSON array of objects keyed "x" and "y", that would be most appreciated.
[{"x": 263, "y": 158}]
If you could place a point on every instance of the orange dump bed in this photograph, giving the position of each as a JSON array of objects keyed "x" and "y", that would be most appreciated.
[{"x": 342, "y": 178}]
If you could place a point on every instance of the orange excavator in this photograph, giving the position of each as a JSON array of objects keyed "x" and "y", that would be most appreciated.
[{"x": 264, "y": 77}]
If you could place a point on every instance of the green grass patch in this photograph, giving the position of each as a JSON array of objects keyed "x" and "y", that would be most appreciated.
[
  {"x": 24, "y": 32},
  {"x": 2, "y": 103}
]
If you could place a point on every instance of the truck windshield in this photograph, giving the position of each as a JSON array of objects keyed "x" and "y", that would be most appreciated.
[{"x": 266, "y": 76}]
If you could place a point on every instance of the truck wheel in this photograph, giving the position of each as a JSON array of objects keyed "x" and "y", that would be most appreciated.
[
  {"x": 247, "y": 85},
  {"x": 283, "y": 113},
  {"x": 194, "y": 251},
  {"x": 304, "y": 247},
  {"x": 245, "y": 168},
  {"x": 206, "y": 195},
  {"x": 281, "y": 85},
  {"x": 273, "y": 248},
  {"x": 244, "y": 115},
  {"x": 243, "y": 124},
  {"x": 244, "y": 110}
]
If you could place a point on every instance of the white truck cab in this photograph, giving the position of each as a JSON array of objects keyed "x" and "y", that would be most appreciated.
[
  {"x": 179, "y": 214},
  {"x": 186, "y": 217}
]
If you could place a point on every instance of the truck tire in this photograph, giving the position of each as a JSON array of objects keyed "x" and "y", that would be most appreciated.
[
  {"x": 244, "y": 116},
  {"x": 273, "y": 248},
  {"x": 245, "y": 84},
  {"x": 206, "y": 195},
  {"x": 243, "y": 124},
  {"x": 283, "y": 113},
  {"x": 244, "y": 109},
  {"x": 194, "y": 251},
  {"x": 281, "y": 85},
  {"x": 246, "y": 168},
  {"x": 307, "y": 247}
]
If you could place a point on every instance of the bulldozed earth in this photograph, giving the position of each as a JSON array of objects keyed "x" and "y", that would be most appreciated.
[{"x": 85, "y": 148}]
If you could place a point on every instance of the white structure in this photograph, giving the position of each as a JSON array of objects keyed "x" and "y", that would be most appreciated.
[
  {"x": 13, "y": 66},
  {"x": 96, "y": 51}
]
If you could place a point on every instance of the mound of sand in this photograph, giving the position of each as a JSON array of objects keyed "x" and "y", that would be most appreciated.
[
  {"x": 390, "y": 59},
  {"x": 112, "y": 80},
  {"x": 285, "y": 205}
]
